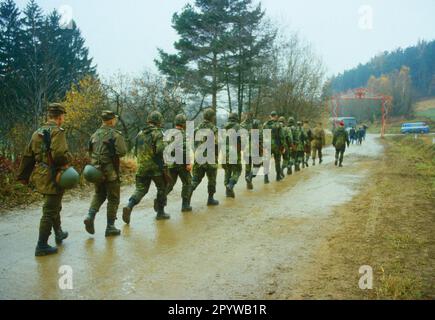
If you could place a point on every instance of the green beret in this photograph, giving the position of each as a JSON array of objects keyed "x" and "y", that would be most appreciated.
[
  {"x": 107, "y": 115},
  {"x": 56, "y": 108}
]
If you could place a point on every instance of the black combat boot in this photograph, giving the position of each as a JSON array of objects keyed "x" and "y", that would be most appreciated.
[
  {"x": 249, "y": 184},
  {"x": 60, "y": 235},
  {"x": 161, "y": 214},
  {"x": 185, "y": 207},
  {"x": 126, "y": 212},
  {"x": 336, "y": 162},
  {"x": 266, "y": 179},
  {"x": 306, "y": 163},
  {"x": 42, "y": 248},
  {"x": 289, "y": 171},
  {"x": 320, "y": 161},
  {"x": 297, "y": 167},
  {"x": 211, "y": 201},
  {"x": 314, "y": 163},
  {"x": 230, "y": 190},
  {"x": 341, "y": 164},
  {"x": 111, "y": 230},
  {"x": 89, "y": 222}
]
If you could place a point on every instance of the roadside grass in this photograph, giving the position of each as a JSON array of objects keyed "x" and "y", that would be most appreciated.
[{"x": 389, "y": 226}]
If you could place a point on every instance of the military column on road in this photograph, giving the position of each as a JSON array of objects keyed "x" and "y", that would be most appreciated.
[{"x": 46, "y": 163}]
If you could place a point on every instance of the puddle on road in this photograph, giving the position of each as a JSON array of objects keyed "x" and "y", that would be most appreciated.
[{"x": 220, "y": 253}]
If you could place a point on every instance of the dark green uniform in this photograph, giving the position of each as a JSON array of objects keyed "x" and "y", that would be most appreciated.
[
  {"x": 340, "y": 140},
  {"x": 201, "y": 170},
  {"x": 106, "y": 147},
  {"x": 277, "y": 144},
  {"x": 177, "y": 170},
  {"x": 48, "y": 151},
  {"x": 319, "y": 141},
  {"x": 309, "y": 138},
  {"x": 299, "y": 141},
  {"x": 232, "y": 171}
]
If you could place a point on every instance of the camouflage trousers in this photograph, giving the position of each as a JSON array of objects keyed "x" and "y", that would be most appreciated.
[
  {"x": 317, "y": 151},
  {"x": 299, "y": 157},
  {"x": 143, "y": 186},
  {"x": 277, "y": 157},
  {"x": 199, "y": 171},
  {"x": 232, "y": 173},
  {"x": 110, "y": 191},
  {"x": 286, "y": 159},
  {"x": 185, "y": 177},
  {"x": 339, "y": 154},
  {"x": 50, "y": 215},
  {"x": 307, "y": 152}
]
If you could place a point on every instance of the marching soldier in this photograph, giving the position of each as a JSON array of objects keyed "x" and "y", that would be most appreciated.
[
  {"x": 150, "y": 147},
  {"x": 299, "y": 140},
  {"x": 309, "y": 138},
  {"x": 288, "y": 142},
  {"x": 292, "y": 151},
  {"x": 247, "y": 124},
  {"x": 106, "y": 147},
  {"x": 45, "y": 159},
  {"x": 209, "y": 169},
  {"x": 182, "y": 170},
  {"x": 319, "y": 141},
  {"x": 340, "y": 140},
  {"x": 277, "y": 143},
  {"x": 232, "y": 170}
]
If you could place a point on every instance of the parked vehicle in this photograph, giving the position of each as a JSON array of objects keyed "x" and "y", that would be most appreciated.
[{"x": 416, "y": 127}]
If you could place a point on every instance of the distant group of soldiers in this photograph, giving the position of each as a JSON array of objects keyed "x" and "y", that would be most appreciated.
[
  {"x": 357, "y": 136},
  {"x": 292, "y": 145}
]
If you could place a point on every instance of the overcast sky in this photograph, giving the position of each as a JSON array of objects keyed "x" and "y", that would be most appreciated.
[{"x": 124, "y": 35}]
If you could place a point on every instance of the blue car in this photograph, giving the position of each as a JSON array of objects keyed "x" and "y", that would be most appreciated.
[{"x": 416, "y": 127}]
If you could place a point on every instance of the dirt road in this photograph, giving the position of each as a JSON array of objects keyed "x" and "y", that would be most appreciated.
[{"x": 227, "y": 252}]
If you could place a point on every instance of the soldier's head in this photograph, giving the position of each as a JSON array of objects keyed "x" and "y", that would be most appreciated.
[
  {"x": 233, "y": 117},
  {"x": 248, "y": 116},
  {"x": 256, "y": 124},
  {"x": 299, "y": 123},
  {"x": 274, "y": 115},
  {"x": 155, "y": 118},
  {"x": 282, "y": 120},
  {"x": 291, "y": 121},
  {"x": 109, "y": 118},
  {"x": 56, "y": 112},
  {"x": 209, "y": 115},
  {"x": 180, "y": 121}
]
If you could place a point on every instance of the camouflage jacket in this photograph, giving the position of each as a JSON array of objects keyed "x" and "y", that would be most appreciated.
[
  {"x": 211, "y": 126},
  {"x": 277, "y": 135},
  {"x": 180, "y": 146},
  {"x": 106, "y": 147},
  {"x": 230, "y": 146},
  {"x": 299, "y": 139},
  {"x": 42, "y": 176},
  {"x": 149, "y": 150},
  {"x": 341, "y": 138},
  {"x": 309, "y": 134},
  {"x": 319, "y": 138}
]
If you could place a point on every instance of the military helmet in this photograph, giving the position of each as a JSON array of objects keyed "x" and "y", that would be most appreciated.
[
  {"x": 256, "y": 124},
  {"x": 92, "y": 174},
  {"x": 282, "y": 119},
  {"x": 209, "y": 114},
  {"x": 69, "y": 179},
  {"x": 299, "y": 123},
  {"x": 274, "y": 114},
  {"x": 155, "y": 117},
  {"x": 107, "y": 115},
  {"x": 180, "y": 120},
  {"x": 291, "y": 121},
  {"x": 56, "y": 108},
  {"x": 233, "y": 117}
]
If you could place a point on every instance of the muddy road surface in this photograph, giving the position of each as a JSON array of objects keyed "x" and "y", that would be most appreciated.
[{"x": 227, "y": 252}]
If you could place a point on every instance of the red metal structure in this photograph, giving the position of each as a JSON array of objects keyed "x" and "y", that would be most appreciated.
[{"x": 363, "y": 94}]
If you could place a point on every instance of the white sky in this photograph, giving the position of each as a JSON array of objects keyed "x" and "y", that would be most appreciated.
[{"x": 123, "y": 35}]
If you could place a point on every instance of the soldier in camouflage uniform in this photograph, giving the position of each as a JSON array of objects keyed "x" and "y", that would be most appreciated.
[
  {"x": 232, "y": 171},
  {"x": 182, "y": 170},
  {"x": 277, "y": 143},
  {"x": 319, "y": 141},
  {"x": 44, "y": 159},
  {"x": 299, "y": 141},
  {"x": 106, "y": 147},
  {"x": 309, "y": 135},
  {"x": 292, "y": 155},
  {"x": 247, "y": 124},
  {"x": 150, "y": 147},
  {"x": 339, "y": 141},
  {"x": 288, "y": 146},
  {"x": 209, "y": 169}
]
